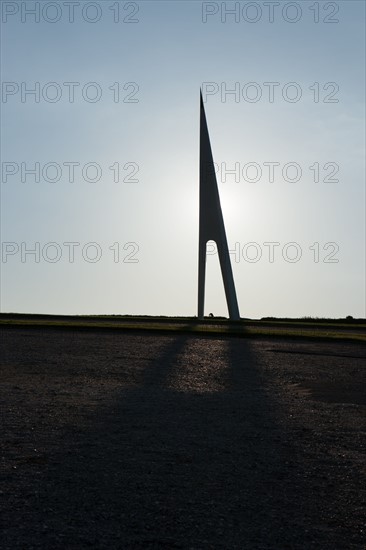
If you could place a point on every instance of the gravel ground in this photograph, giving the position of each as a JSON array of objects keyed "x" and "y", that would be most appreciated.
[{"x": 128, "y": 440}]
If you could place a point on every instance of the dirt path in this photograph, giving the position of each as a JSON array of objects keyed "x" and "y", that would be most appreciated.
[{"x": 144, "y": 441}]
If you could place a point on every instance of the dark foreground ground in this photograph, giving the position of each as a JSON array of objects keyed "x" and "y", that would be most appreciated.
[{"x": 128, "y": 440}]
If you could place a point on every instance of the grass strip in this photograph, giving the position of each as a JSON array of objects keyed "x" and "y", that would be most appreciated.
[{"x": 201, "y": 329}]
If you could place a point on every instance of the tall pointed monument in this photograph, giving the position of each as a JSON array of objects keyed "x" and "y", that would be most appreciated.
[{"x": 211, "y": 225}]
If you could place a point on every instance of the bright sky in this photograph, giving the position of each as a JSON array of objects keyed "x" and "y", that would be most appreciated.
[{"x": 103, "y": 155}]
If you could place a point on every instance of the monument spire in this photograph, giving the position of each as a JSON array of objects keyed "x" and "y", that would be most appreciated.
[{"x": 211, "y": 225}]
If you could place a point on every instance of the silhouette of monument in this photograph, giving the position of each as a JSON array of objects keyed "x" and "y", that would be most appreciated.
[{"x": 211, "y": 225}]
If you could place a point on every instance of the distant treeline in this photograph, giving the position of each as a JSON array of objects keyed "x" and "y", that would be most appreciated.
[{"x": 348, "y": 319}]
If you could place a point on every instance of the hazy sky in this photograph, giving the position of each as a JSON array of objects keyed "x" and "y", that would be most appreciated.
[{"x": 103, "y": 155}]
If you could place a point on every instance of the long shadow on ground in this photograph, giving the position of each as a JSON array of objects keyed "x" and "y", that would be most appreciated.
[{"x": 190, "y": 456}]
